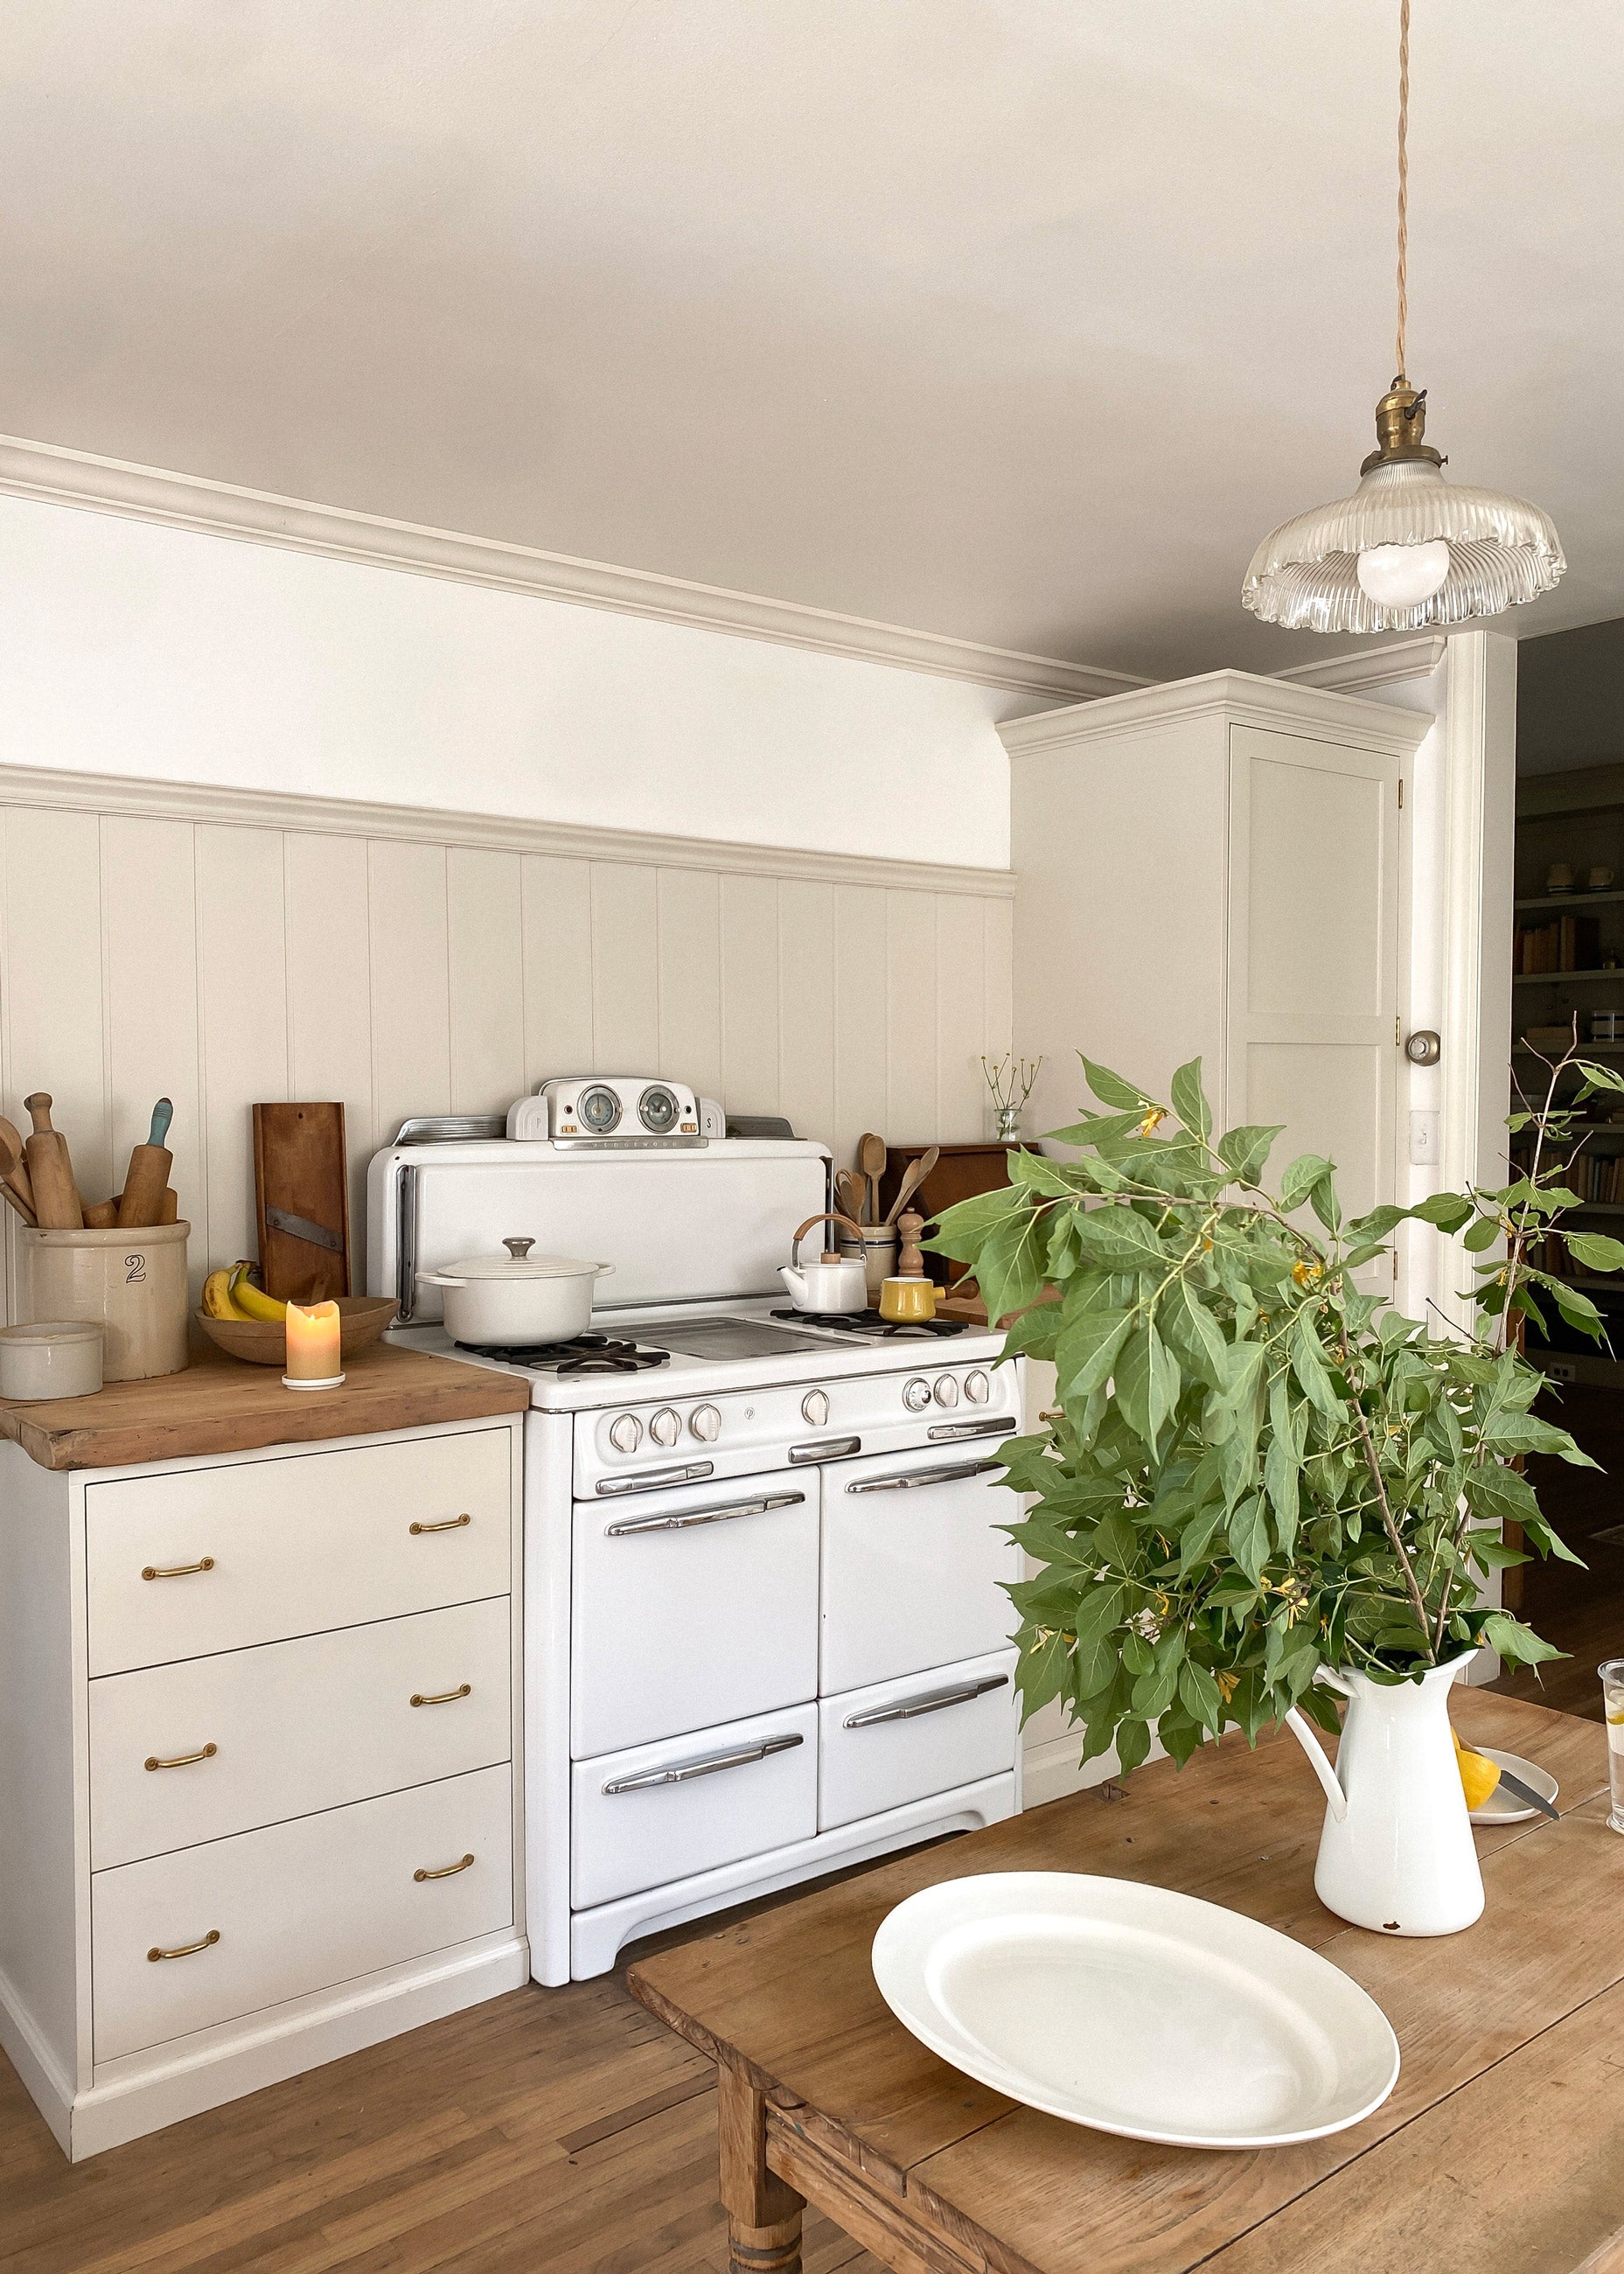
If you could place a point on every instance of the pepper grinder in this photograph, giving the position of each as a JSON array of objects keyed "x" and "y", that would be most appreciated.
[{"x": 910, "y": 1298}]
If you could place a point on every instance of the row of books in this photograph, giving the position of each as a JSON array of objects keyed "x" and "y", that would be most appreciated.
[{"x": 1567, "y": 944}]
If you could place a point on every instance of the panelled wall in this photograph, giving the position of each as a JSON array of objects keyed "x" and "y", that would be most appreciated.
[{"x": 221, "y": 946}]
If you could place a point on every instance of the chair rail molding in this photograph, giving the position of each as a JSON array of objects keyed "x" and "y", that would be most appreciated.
[{"x": 49, "y": 473}]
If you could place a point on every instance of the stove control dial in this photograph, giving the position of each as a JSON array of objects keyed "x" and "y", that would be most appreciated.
[
  {"x": 666, "y": 1426},
  {"x": 916, "y": 1395},
  {"x": 947, "y": 1390},
  {"x": 626, "y": 1432},
  {"x": 977, "y": 1389},
  {"x": 815, "y": 1408},
  {"x": 706, "y": 1424}
]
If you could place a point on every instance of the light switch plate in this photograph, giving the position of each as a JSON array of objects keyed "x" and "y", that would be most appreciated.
[{"x": 1425, "y": 1137}]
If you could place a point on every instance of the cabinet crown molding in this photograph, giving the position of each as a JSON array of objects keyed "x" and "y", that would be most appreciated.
[
  {"x": 1239, "y": 697},
  {"x": 49, "y": 474}
]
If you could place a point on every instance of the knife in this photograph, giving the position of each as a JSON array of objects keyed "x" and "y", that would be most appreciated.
[{"x": 1526, "y": 1794}]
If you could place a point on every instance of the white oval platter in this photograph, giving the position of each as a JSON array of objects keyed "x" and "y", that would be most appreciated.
[
  {"x": 1135, "y": 2009},
  {"x": 1502, "y": 1807}
]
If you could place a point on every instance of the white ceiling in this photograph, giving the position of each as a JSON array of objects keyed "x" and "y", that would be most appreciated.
[{"x": 1019, "y": 319}]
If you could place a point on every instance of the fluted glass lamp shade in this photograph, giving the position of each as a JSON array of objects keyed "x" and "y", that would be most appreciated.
[{"x": 1406, "y": 549}]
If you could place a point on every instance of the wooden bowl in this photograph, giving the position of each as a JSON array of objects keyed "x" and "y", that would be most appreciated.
[{"x": 361, "y": 1321}]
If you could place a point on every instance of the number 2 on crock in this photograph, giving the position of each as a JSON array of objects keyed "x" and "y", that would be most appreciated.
[{"x": 135, "y": 1269}]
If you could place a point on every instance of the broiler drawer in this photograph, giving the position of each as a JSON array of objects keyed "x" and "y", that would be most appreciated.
[{"x": 895, "y": 1741}]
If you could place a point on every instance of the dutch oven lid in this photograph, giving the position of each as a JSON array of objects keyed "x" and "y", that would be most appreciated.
[{"x": 518, "y": 1263}]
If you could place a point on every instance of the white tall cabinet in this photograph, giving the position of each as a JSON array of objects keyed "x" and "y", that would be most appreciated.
[{"x": 1216, "y": 868}]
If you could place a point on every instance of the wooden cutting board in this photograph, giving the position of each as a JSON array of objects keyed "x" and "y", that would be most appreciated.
[{"x": 302, "y": 1188}]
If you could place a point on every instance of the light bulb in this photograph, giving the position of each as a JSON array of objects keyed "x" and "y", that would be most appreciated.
[{"x": 1403, "y": 576}]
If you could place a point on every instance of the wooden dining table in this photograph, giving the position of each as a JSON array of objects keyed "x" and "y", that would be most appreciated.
[{"x": 1501, "y": 2149}]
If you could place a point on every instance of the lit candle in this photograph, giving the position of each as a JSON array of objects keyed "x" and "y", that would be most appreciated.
[{"x": 312, "y": 1344}]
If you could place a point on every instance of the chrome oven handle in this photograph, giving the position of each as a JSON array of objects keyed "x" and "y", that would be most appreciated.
[
  {"x": 406, "y": 1243},
  {"x": 723, "y": 1514},
  {"x": 988, "y": 1427},
  {"x": 935, "y": 1701},
  {"x": 651, "y": 1480},
  {"x": 708, "y": 1765},
  {"x": 830, "y": 1448},
  {"x": 907, "y": 1480}
]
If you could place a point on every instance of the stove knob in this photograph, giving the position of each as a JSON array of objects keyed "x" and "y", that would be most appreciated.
[
  {"x": 626, "y": 1432},
  {"x": 978, "y": 1389},
  {"x": 947, "y": 1390},
  {"x": 815, "y": 1408},
  {"x": 666, "y": 1426},
  {"x": 706, "y": 1423},
  {"x": 916, "y": 1395}
]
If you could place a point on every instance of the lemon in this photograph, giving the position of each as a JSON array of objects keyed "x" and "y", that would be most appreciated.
[{"x": 1479, "y": 1775}]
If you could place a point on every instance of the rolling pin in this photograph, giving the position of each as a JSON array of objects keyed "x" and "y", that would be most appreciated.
[
  {"x": 50, "y": 1171},
  {"x": 148, "y": 1173},
  {"x": 13, "y": 1172},
  {"x": 104, "y": 1215}
]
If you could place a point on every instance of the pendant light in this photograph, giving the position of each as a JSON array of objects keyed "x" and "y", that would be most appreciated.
[{"x": 1406, "y": 549}]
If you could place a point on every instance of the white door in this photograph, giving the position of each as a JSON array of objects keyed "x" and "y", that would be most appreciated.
[{"x": 1313, "y": 946}]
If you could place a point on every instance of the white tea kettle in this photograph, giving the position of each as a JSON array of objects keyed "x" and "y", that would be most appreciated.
[{"x": 834, "y": 1283}]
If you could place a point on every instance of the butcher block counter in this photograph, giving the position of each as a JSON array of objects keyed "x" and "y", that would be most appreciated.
[
  {"x": 219, "y": 1406},
  {"x": 261, "y": 1727}
]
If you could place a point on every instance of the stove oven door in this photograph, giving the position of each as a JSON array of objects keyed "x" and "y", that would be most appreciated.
[
  {"x": 913, "y": 1561},
  {"x": 691, "y": 1607}
]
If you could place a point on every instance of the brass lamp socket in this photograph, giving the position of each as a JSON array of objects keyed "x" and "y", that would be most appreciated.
[{"x": 1401, "y": 422}]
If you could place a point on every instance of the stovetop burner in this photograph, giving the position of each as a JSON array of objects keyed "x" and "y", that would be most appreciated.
[
  {"x": 583, "y": 1354},
  {"x": 871, "y": 1323}
]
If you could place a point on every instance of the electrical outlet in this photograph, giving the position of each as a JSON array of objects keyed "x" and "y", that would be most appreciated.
[{"x": 1425, "y": 1142}]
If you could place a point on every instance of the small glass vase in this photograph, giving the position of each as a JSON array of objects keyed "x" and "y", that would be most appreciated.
[{"x": 1009, "y": 1124}]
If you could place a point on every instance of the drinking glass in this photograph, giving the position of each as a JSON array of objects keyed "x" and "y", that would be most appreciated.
[{"x": 1613, "y": 1693}]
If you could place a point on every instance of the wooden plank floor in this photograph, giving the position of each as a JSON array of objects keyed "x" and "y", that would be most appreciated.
[{"x": 557, "y": 2130}]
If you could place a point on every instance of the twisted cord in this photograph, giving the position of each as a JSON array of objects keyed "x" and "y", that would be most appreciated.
[{"x": 1403, "y": 180}]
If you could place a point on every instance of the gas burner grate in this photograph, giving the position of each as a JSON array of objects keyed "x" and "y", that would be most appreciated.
[
  {"x": 583, "y": 1354},
  {"x": 870, "y": 1322}
]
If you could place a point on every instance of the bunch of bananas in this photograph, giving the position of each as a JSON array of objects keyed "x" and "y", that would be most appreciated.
[{"x": 231, "y": 1294}]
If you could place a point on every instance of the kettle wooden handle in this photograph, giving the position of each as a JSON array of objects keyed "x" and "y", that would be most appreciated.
[{"x": 830, "y": 1215}]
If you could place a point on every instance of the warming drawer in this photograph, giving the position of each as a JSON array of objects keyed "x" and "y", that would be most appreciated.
[{"x": 895, "y": 1741}]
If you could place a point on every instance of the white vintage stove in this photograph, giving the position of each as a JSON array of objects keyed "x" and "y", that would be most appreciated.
[{"x": 763, "y": 1629}]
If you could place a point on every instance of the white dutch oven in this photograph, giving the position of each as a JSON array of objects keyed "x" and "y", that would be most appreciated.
[{"x": 516, "y": 1298}]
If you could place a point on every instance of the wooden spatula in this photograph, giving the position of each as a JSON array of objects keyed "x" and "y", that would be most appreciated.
[{"x": 50, "y": 1170}]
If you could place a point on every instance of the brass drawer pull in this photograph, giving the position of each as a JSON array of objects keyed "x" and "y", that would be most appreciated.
[
  {"x": 175, "y": 1570},
  {"x": 451, "y": 1524},
  {"x": 182, "y": 1760},
  {"x": 443, "y": 1696},
  {"x": 446, "y": 1871},
  {"x": 186, "y": 1948}
]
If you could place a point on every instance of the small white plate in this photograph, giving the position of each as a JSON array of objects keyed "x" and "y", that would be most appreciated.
[
  {"x": 1135, "y": 2009},
  {"x": 1500, "y": 1807}
]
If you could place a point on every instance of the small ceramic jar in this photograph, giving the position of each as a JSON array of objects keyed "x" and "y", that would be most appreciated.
[{"x": 54, "y": 1358}]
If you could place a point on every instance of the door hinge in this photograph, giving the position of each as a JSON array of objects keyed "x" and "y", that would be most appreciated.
[
  {"x": 1401, "y": 792},
  {"x": 1398, "y": 1022}
]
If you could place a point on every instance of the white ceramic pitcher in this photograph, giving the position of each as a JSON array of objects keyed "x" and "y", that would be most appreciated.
[{"x": 1396, "y": 1853}]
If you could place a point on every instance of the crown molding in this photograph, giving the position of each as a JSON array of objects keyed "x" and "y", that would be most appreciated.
[
  {"x": 1377, "y": 666},
  {"x": 48, "y": 473},
  {"x": 422, "y": 824},
  {"x": 1239, "y": 697}
]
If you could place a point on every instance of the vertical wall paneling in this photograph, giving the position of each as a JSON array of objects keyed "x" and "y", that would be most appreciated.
[
  {"x": 52, "y": 981},
  {"x": 557, "y": 907},
  {"x": 911, "y": 1016},
  {"x": 329, "y": 997},
  {"x": 1000, "y": 983},
  {"x": 961, "y": 1017},
  {"x": 625, "y": 967},
  {"x": 690, "y": 978},
  {"x": 860, "y": 1016},
  {"x": 243, "y": 1010},
  {"x": 155, "y": 1043},
  {"x": 750, "y": 994},
  {"x": 485, "y": 942},
  {"x": 807, "y": 1006},
  {"x": 410, "y": 986}
]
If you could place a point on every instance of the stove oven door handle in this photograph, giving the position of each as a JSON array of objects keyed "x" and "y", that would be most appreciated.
[
  {"x": 934, "y": 1701},
  {"x": 830, "y": 1448},
  {"x": 689, "y": 1516},
  {"x": 708, "y": 1764},
  {"x": 907, "y": 1480}
]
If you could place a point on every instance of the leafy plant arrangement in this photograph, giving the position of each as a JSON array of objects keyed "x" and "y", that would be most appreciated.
[{"x": 1254, "y": 1467}]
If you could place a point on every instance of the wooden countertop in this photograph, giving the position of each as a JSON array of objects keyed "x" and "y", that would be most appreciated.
[{"x": 219, "y": 1406}]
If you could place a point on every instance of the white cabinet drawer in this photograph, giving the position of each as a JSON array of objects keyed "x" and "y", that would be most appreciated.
[
  {"x": 293, "y": 1546},
  {"x": 899, "y": 1741},
  {"x": 294, "y": 1907},
  {"x": 293, "y": 1726},
  {"x": 693, "y": 1606},
  {"x": 912, "y": 1563},
  {"x": 660, "y": 1812}
]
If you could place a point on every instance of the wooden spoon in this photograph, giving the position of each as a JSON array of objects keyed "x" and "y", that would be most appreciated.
[
  {"x": 13, "y": 1171},
  {"x": 913, "y": 1179},
  {"x": 871, "y": 1159},
  {"x": 851, "y": 1192}
]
